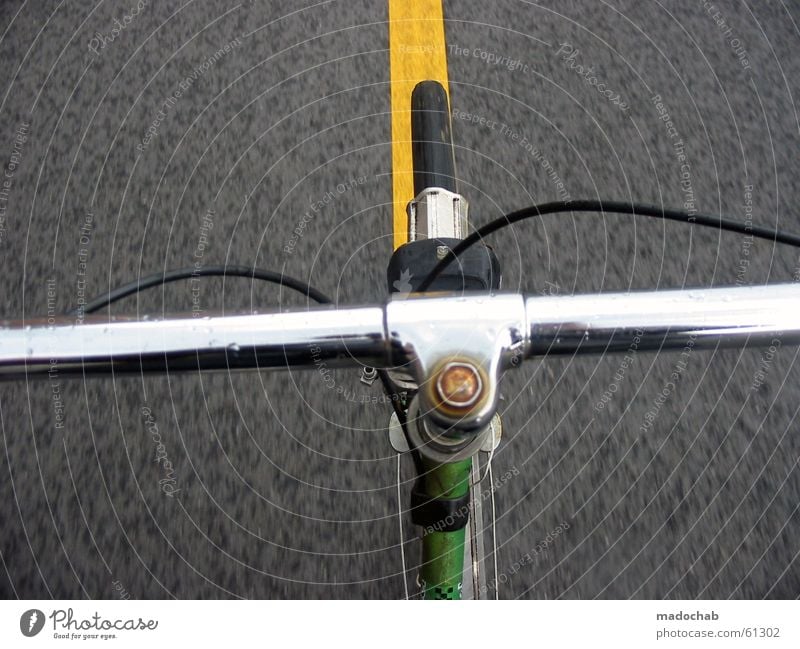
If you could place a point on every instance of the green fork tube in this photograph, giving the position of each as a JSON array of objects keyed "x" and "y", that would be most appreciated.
[{"x": 443, "y": 552}]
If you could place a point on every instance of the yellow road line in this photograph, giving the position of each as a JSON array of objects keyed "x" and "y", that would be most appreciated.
[{"x": 417, "y": 52}]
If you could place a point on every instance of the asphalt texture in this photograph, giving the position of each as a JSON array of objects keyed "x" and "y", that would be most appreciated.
[{"x": 131, "y": 150}]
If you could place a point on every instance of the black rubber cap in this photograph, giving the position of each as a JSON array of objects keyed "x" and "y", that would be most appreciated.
[{"x": 432, "y": 141}]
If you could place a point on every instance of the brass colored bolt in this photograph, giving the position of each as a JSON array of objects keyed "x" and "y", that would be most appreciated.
[{"x": 459, "y": 384}]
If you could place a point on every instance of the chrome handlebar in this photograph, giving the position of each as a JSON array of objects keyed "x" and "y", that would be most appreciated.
[{"x": 420, "y": 334}]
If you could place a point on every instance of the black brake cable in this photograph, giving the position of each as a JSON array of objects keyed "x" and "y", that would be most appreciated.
[
  {"x": 534, "y": 211},
  {"x": 618, "y": 207},
  {"x": 159, "y": 279}
]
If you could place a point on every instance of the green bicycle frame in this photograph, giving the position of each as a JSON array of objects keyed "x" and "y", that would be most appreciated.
[{"x": 443, "y": 552}]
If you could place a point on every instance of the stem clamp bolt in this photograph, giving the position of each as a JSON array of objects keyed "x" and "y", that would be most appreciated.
[{"x": 459, "y": 385}]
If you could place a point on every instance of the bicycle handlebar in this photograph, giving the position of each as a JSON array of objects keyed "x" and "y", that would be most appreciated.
[{"x": 419, "y": 333}]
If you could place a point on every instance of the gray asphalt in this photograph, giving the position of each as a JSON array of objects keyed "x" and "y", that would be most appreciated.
[{"x": 279, "y": 486}]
